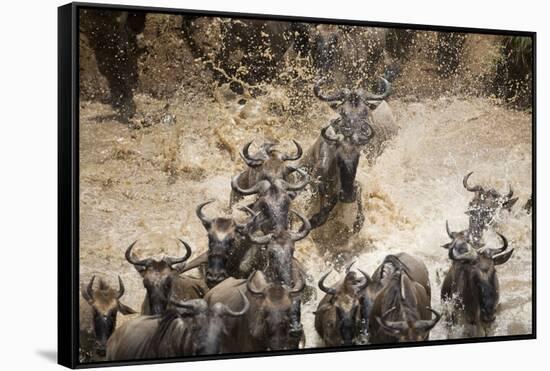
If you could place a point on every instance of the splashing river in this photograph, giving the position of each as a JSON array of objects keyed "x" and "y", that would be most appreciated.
[{"x": 144, "y": 184}]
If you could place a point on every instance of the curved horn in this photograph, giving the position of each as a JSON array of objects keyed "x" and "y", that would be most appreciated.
[
  {"x": 476, "y": 188},
  {"x": 384, "y": 95},
  {"x": 449, "y": 233},
  {"x": 386, "y": 314},
  {"x": 348, "y": 267},
  {"x": 250, "y": 191},
  {"x": 393, "y": 327},
  {"x": 367, "y": 280},
  {"x": 206, "y": 222},
  {"x": 303, "y": 231},
  {"x": 173, "y": 261},
  {"x": 300, "y": 185},
  {"x": 298, "y": 286},
  {"x": 248, "y": 159},
  {"x": 322, "y": 287},
  {"x": 299, "y": 152},
  {"x": 120, "y": 288},
  {"x": 229, "y": 312},
  {"x": 249, "y": 286},
  {"x": 253, "y": 215},
  {"x": 329, "y": 137},
  {"x": 502, "y": 248},
  {"x": 261, "y": 240},
  {"x": 510, "y": 192},
  {"x": 338, "y": 95},
  {"x": 128, "y": 255},
  {"x": 427, "y": 325},
  {"x": 194, "y": 305},
  {"x": 362, "y": 140},
  {"x": 248, "y": 210},
  {"x": 90, "y": 290}
]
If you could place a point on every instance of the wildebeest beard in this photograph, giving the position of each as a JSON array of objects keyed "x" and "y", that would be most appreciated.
[
  {"x": 347, "y": 168},
  {"x": 104, "y": 325},
  {"x": 158, "y": 293},
  {"x": 488, "y": 296},
  {"x": 347, "y": 324}
]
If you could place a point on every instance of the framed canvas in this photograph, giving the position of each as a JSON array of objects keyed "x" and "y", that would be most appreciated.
[{"x": 243, "y": 185}]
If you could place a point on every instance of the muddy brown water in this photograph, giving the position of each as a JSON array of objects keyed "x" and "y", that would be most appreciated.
[{"x": 144, "y": 185}]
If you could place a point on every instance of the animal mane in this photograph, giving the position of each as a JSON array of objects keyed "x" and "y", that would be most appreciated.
[
  {"x": 170, "y": 332},
  {"x": 394, "y": 297}
]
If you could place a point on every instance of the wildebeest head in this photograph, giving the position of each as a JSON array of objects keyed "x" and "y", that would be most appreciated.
[
  {"x": 208, "y": 324},
  {"x": 279, "y": 246},
  {"x": 272, "y": 326},
  {"x": 222, "y": 235},
  {"x": 274, "y": 199},
  {"x": 484, "y": 205},
  {"x": 403, "y": 320},
  {"x": 477, "y": 266},
  {"x": 105, "y": 303},
  {"x": 354, "y": 109},
  {"x": 346, "y": 301},
  {"x": 271, "y": 162},
  {"x": 345, "y": 152},
  {"x": 158, "y": 276}
]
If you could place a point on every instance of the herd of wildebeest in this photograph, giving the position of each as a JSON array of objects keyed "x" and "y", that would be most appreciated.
[{"x": 251, "y": 290}]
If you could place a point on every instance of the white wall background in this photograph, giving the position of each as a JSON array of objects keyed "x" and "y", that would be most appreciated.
[{"x": 28, "y": 156}]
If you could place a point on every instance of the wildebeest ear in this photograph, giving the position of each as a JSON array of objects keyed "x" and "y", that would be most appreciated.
[
  {"x": 508, "y": 204},
  {"x": 446, "y": 246},
  {"x": 140, "y": 269},
  {"x": 373, "y": 104},
  {"x": 334, "y": 105},
  {"x": 124, "y": 309}
]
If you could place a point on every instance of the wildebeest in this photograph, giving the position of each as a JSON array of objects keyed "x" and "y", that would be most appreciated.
[
  {"x": 98, "y": 316},
  {"x": 332, "y": 161},
  {"x": 471, "y": 282},
  {"x": 267, "y": 324},
  {"x": 162, "y": 280},
  {"x": 279, "y": 247},
  {"x": 188, "y": 328},
  {"x": 484, "y": 207},
  {"x": 113, "y": 37},
  {"x": 361, "y": 113},
  {"x": 353, "y": 108},
  {"x": 338, "y": 318},
  {"x": 402, "y": 310},
  {"x": 266, "y": 164},
  {"x": 334, "y": 157},
  {"x": 273, "y": 202},
  {"x": 227, "y": 245},
  {"x": 276, "y": 260}
]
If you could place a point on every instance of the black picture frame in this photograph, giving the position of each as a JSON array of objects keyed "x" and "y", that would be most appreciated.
[{"x": 68, "y": 181}]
